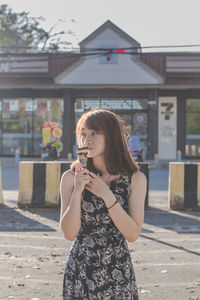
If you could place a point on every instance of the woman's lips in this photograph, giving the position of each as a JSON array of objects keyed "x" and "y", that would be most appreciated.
[{"x": 89, "y": 148}]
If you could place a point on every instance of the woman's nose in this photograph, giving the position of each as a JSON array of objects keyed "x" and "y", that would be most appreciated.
[{"x": 87, "y": 140}]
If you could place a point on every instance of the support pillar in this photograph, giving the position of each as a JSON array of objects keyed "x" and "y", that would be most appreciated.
[
  {"x": 181, "y": 124},
  {"x": 68, "y": 137},
  {"x": 152, "y": 144}
]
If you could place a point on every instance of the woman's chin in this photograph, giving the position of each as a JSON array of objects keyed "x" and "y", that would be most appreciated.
[{"x": 90, "y": 153}]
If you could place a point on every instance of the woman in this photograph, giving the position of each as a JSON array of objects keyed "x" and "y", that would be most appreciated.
[{"x": 102, "y": 207}]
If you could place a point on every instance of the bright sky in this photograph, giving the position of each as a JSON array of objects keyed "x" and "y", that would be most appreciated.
[{"x": 150, "y": 22}]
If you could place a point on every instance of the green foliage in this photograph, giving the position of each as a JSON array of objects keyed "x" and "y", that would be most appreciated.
[
  {"x": 193, "y": 105},
  {"x": 193, "y": 123},
  {"x": 193, "y": 116},
  {"x": 21, "y": 33}
]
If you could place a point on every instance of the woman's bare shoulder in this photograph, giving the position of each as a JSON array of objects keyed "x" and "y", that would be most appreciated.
[
  {"x": 68, "y": 176},
  {"x": 138, "y": 178}
]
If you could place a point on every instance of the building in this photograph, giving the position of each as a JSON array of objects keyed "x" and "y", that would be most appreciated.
[{"x": 157, "y": 94}]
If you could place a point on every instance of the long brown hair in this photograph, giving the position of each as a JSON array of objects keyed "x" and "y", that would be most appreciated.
[{"x": 118, "y": 159}]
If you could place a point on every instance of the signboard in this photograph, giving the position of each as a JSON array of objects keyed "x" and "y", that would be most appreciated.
[
  {"x": 183, "y": 64},
  {"x": 167, "y": 132},
  {"x": 24, "y": 64}
]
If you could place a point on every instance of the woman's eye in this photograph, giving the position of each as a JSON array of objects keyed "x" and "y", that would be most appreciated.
[{"x": 94, "y": 133}]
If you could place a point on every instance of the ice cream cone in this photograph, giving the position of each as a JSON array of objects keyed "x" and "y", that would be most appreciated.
[{"x": 82, "y": 153}]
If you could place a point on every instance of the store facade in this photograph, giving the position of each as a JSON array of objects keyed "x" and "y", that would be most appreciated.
[{"x": 157, "y": 95}]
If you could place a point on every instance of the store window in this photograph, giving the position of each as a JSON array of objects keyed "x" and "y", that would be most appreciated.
[
  {"x": 16, "y": 127},
  {"x": 45, "y": 110},
  {"x": 22, "y": 120},
  {"x": 132, "y": 111},
  {"x": 192, "y": 145}
]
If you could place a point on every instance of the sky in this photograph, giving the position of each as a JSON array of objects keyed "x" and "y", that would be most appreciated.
[{"x": 150, "y": 22}]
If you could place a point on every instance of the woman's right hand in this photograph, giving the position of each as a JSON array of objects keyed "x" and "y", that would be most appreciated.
[{"x": 81, "y": 177}]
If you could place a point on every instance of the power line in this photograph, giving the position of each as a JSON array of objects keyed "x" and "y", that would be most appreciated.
[
  {"x": 85, "y": 52},
  {"x": 99, "y": 49}
]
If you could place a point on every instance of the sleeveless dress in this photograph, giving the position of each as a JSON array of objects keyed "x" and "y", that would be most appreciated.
[{"x": 99, "y": 265}]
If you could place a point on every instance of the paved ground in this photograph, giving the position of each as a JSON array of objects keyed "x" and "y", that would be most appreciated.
[{"x": 33, "y": 251}]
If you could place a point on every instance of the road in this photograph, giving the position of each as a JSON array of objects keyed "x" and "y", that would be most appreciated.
[{"x": 33, "y": 251}]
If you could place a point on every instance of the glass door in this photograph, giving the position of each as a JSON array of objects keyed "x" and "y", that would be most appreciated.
[
  {"x": 140, "y": 128},
  {"x": 136, "y": 123}
]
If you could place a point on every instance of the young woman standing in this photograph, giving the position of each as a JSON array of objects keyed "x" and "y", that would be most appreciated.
[{"x": 102, "y": 207}]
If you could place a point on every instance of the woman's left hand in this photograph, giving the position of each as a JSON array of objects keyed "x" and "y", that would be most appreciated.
[{"x": 97, "y": 186}]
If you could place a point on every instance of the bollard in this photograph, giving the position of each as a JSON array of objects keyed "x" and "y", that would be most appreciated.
[
  {"x": 178, "y": 157},
  {"x": 39, "y": 182},
  {"x": 156, "y": 159},
  {"x": 144, "y": 168},
  {"x": 184, "y": 186},
  {"x": 25, "y": 150},
  {"x": 17, "y": 155},
  {"x": 69, "y": 157}
]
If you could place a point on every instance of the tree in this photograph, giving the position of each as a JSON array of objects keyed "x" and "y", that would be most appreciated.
[
  {"x": 21, "y": 33},
  {"x": 193, "y": 116}
]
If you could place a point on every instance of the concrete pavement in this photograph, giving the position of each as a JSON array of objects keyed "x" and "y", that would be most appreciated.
[{"x": 33, "y": 251}]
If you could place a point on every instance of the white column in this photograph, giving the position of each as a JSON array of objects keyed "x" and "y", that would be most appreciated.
[{"x": 167, "y": 128}]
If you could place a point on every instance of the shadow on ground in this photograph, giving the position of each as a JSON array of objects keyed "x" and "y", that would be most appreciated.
[
  {"x": 178, "y": 221},
  {"x": 23, "y": 220}
]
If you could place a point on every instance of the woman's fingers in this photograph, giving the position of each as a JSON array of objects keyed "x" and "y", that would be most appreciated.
[
  {"x": 85, "y": 178},
  {"x": 81, "y": 170},
  {"x": 79, "y": 167},
  {"x": 93, "y": 175}
]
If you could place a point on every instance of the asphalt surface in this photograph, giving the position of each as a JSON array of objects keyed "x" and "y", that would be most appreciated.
[{"x": 33, "y": 252}]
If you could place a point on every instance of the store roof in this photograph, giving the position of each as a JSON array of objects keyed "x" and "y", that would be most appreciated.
[
  {"x": 111, "y": 25},
  {"x": 180, "y": 69}
]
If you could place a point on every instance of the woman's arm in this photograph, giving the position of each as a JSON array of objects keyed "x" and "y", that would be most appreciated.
[
  {"x": 71, "y": 188},
  {"x": 130, "y": 224},
  {"x": 70, "y": 207}
]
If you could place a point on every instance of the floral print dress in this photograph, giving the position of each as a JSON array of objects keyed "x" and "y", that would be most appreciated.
[{"x": 99, "y": 265}]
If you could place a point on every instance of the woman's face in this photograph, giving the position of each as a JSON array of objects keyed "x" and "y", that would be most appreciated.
[{"x": 94, "y": 140}]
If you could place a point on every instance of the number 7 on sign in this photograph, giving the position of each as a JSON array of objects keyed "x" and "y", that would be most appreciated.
[{"x": 168, "y": 109}]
